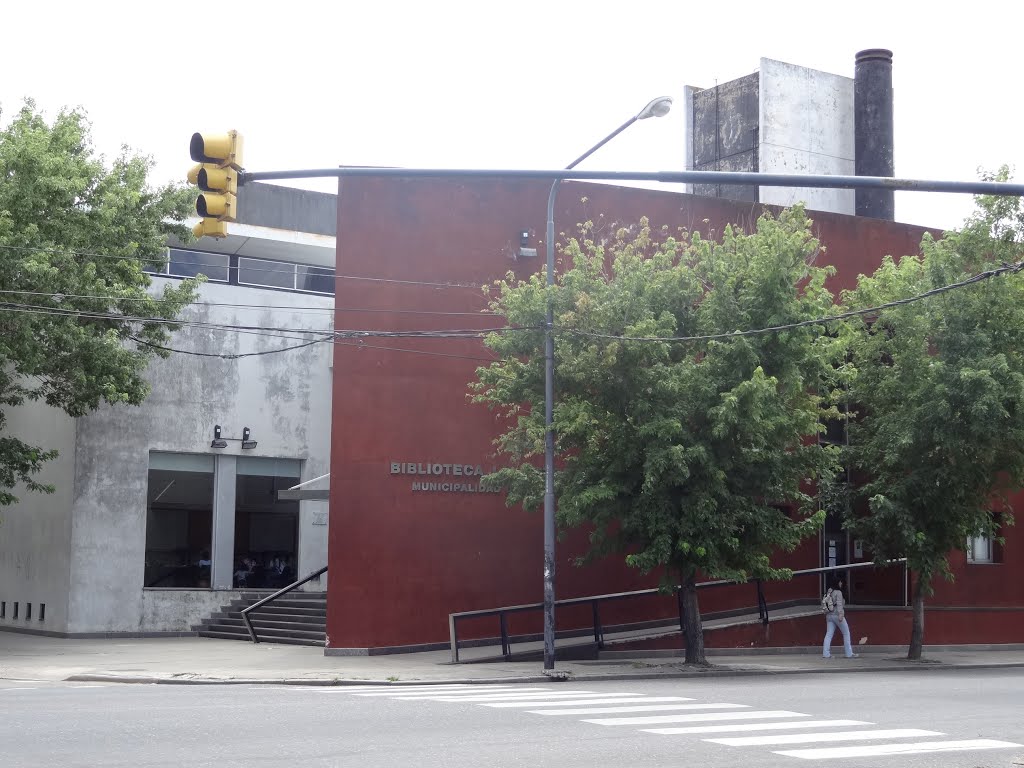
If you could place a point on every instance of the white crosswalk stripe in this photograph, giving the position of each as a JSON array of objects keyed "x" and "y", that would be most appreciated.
[
  {"x": 616, "y": 699},
  {"x": 411, "y": 688},
  {"x": 747, "y": 727},
  {"x": 588, "y": 710},
  {"x": 879, "y": 750},
  {"x": 473, "y": 690},
  {"x": 824, "y": 737},
  {"x": 539, "y": 697},
  {"x": 686, "y": 716},
  {"x": 703, "y": 717}
]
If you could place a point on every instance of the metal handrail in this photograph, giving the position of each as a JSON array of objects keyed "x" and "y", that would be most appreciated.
[
  {"x": 595, "y": 600},
  {"x": 270, "y": 598}
]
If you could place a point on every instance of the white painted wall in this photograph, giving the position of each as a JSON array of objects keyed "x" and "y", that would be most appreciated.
[
  {"x": 35, "y": 533},
  {"x": 806, "y": 126},
  {"x": 285, "y": 399}
]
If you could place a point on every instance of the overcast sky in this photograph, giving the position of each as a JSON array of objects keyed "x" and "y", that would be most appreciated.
[{"x": 523, "y": 84}]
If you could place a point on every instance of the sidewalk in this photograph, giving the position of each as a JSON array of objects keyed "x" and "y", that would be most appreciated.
[{"x": 203, "y": 660}]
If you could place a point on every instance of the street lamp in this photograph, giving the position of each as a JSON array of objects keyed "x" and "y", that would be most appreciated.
[{"x": 656, "y": 108}]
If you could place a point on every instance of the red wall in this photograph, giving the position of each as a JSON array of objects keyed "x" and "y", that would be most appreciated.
[
  {"x": 879, "y": 627},
  {"x": 400, "y": 561},
  {"x": 987, "y": 584}
]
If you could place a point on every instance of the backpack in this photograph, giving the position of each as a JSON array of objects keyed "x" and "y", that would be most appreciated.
[{"x": 828, "y": 602}]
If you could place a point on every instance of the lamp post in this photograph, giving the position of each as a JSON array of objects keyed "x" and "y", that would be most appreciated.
[{"x": 657, "y": 108}]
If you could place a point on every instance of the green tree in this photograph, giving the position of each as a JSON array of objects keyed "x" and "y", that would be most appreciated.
[
  {"x": 74, "y": 237},
  {"x": 687, "y": 458},
  {"x": 938, "y": 390}
]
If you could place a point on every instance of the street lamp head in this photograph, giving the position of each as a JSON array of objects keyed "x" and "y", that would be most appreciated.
[{"x": 657, "y": 108}]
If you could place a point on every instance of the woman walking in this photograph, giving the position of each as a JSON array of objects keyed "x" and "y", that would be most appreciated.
[{"x": 834, "y": 608}]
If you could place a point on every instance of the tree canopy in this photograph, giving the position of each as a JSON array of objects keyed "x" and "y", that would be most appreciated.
[
  {"x": 936, "y": 388},
  {"x": 75, "y": 235},
  {"x": 685, "y": 456}
]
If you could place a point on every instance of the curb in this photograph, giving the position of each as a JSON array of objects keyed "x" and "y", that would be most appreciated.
[{"x": 534, "y": 679}]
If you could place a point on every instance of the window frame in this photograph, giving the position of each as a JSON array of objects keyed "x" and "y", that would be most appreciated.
[
  {"x": 234, "y": 271},
  {"x": 988, "y": 542}
]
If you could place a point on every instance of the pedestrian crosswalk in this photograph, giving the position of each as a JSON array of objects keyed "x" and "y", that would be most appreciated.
[{"x": 727, "y": 724}]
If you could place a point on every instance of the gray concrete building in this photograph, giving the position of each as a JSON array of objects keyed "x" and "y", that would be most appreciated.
[
  {"x": 788, "y": 119},
  {"x": 162, "y": 512}
]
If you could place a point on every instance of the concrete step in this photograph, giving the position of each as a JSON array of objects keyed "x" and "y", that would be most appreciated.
[
  {"x": 298, "y": 618},
  {"x": 282, "y": 604},
  {"x": 262, "y": 618},
  {"x": 281, "y": 610},
  {"x": 265, "y": 633},
  {"x": 280, "y": 623},
  {"x": 282, "y": 640},
  {"x": 252, "y": 597}
]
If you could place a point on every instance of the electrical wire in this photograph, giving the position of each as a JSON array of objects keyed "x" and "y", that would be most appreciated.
[
  {"x": 336, "y": 336},
  {"x": 1007, "y": 269},
  {"x": 326, "y": 340},
  {"x": 344, "y": 333},
  {"x": 227, "y": 355},
  {"x": 164, "y": 259},
  {"x": 62, "y": 296}
]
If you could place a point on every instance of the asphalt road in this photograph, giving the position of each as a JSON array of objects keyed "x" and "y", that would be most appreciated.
[{"x": 954, "y": 719}]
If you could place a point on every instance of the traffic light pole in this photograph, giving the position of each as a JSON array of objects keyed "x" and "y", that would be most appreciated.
[{"x": 739, "y": 178}]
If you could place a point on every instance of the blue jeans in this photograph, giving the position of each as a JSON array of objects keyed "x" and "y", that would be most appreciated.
[{"x": 831, "y": 622}]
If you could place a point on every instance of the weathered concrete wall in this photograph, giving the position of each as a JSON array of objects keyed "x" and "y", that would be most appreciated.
[
  {"x": 806, "y": 126},
  {"x": 283, "y": 398},
  {"x": 35, "y": 533},
  {"x": 177, "y": 610},
  {"x": 724, "y": 122}
]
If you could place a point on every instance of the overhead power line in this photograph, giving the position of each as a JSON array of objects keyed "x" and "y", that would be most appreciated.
[
  {"x": 359, "y": 335},
  {"x": 1008, "y": 269},
  {"x": 298, "y": 308},
  {"x": 325, "y": 340},
  {"x": 164, "y": 259},
  {"x": 228, "y": 355},
  {"x": 344, "y": 333}
]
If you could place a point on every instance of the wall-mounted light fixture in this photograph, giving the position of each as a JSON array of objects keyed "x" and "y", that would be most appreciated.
[
  {"x": 222, "y": 442},
  {"x": 525, "y": 251},
  {"x": 218, "y": 441}
]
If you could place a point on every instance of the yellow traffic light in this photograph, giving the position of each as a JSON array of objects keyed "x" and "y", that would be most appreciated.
[
  {"x": 219, "y": 158},
  {"x": 210, "y": 228},
  {"x": 220, "y": 149}
]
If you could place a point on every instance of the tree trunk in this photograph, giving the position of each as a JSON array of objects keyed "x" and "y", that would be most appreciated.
[
  {"x": 693, "y": 628},
  {"x": 917, "y": 627}
]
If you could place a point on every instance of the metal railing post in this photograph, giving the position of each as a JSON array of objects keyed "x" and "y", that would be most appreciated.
[
  {"x": 598, "y": 629},
  {"x": 762, "y": 603},
  {"x": 682, "y": 611},
  {"x": 453, "y": 637},
  {"x": 506, "y": 647},
  {"x": 906, "y": 584}
]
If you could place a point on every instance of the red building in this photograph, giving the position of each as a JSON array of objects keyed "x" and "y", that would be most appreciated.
[{"x": 412, "y": 538}]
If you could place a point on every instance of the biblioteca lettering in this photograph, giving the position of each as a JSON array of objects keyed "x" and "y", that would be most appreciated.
[{"x": 457, "y": 478}]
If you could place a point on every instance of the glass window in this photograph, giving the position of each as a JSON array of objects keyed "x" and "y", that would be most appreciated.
[
  {"x": 274, "y": 274},
  {"x": 158, "y": 266},
  {"x": 179, "y": 520},
  {"x": 979, "y": 550},
  {"x": 192, "y": 263},
  {"x": 315, "y": 279},
  {"x": 266, "y": 530}
]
